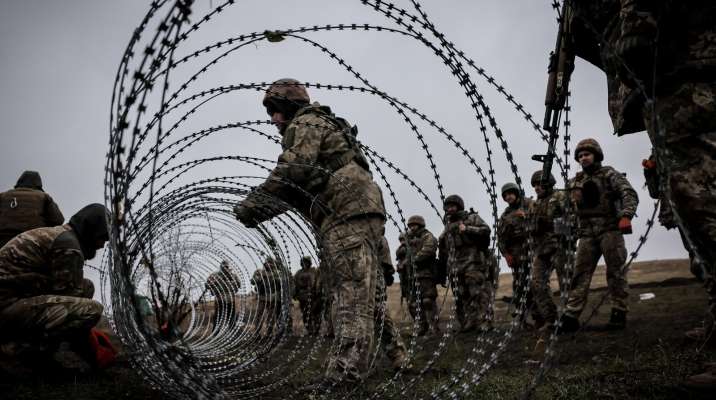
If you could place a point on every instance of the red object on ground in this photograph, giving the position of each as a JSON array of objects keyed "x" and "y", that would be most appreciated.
[{"x": 104, "y": 352}]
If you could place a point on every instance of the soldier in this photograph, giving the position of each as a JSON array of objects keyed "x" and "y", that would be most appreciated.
[
  {"x": 659, "y": 58},
  {"x": 223, "y": 285},
  {"x": 462, "y": 247},
  {"x": 323, "y": 174},
  {"x": 513, "y": 244},
  {"x": 44, "y": 299},
  {"x": 400, "y": 255},
  {"x": 390, "y": 339},
  {"x": 267, "y": 282},
  {"x": 545, "y": 215},
  {"x": 307, "y": 294},
  {"x": 606, "y": 204},
  {"x": 420, "y": 263},
  {"x": 26, "y": 207}
]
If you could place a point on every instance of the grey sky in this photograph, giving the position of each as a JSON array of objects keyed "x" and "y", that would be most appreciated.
[{"x": 59, "y": 60}]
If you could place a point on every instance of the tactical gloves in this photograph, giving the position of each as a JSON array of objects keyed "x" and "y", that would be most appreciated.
[
  {"x": 625, "y": 225},
  {"x": 509, "y": 259},
  {"x": 389, "y": 278},
  {"x": 245, "y": 215}
]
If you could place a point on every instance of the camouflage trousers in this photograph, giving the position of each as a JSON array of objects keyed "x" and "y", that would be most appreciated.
[
  {"x": 385, "y": 329},
  {"x": 224, "y": 313},
  {"x": 268, "y": 315},
  {"x": 404, "y": 284},
  {"x": 310, "y": 306},
  {"x": 521, "y": 290},
  {"x": 590, "y": 249},
  {"x": 686, "y": 137},
  {"x": 428, "y": 306},
  {"x": 51, "y": 317},
  {"x": 472, "y": 296},
  {"x": 351, "y": 250},
  {"x": 542, "y": 266}
]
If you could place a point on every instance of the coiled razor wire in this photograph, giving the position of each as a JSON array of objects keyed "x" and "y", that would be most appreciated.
[{"x": 201, "y": 303}]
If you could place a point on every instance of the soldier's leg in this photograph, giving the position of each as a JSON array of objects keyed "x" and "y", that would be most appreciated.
[
  {"x": 459, "y": 294},
  {"x": 541, "y": 271},
  {"x": 478, "y": 301},
  {"x": 428, "y": 305},
  {"x": 353, "y": 261},
  {"x": 588, "y": 254},
  {"x": 615, "y": 255},
  {"x": 390, "y": 340},
  {"x": 49, "y": 316}
]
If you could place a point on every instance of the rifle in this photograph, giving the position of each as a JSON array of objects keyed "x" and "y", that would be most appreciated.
[{"x": 561, "y": 65}]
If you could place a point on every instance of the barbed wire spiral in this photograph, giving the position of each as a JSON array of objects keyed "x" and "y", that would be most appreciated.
[{"x": 203, "y": 304}]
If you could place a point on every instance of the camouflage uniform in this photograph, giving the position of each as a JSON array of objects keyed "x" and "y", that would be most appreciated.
[
  {"x": 267, "y": 282},
  {"x": 512, "y": 242},
  {"x": 323, "y": 174},
  {"x": 306, "y": 280},
  {"x": 548, "y": 245},
  {"x": 420, "y": 265},
  {"x": 223, "y": 285},
  {"x": 43, "y": 295},
  {"x": 462, "y": 257},
  {"x": 390, "y": 340},
  {"x": 624, "y": 32},
  {"x": 26, "y": 207},
  {"x": 603, "y": 197},
  {"x": 400, "y": 256}
]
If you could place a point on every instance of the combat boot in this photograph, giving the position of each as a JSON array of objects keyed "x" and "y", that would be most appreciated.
[
  {"x": 705, "y": 380},
  {"x": 397, "y": 359},
  {"x": 617, "y": 321},
  {"x": 469, "y": 326},
  {"x": 569, "y": 324},
  {"x": 423, "y": 328}
]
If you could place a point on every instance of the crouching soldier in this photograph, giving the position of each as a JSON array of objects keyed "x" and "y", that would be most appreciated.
[
  {"x": 420, "y": 264},
  {"x": 606, "y": 203},
  {"x": 46, "y": 305},
  {"x": 462, "y": 247}
]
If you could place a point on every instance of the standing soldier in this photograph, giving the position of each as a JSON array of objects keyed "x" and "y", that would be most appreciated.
[
  {"x": 306, "y": 280},
  {"x": 323, "y": 174},
  {"x": 420, "y": 261},
  {"x": 462, "y": 246},
  {"x": 44, "y": 300},
  {"x": 606, "y": 203},
  {"x": 659, "y": 58},
  {"x": 223, "y": 285},
  {"x": 513, "y": 244},
  {"x": 400, "y": 255},
  {"x": 390, "y": 339},
  {"x": 544, "y": 217},
  {"x": 267, "y": 281},
  {"x": 26, "y": 207}
]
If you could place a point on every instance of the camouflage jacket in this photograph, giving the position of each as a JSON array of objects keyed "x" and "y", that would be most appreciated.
[
  {"x": 41, "y": 261},
  {"x": 223, "y": 284},
  {"x": 400, "y": 255},
  {"x": 306, "y": 281},
  {"x": 268, "y": 284},
  {"x": 23, "y": 209},
  {"x": 320, "y": 172},
  {"x": 422, "y": 248},
  {"x": 603, "y": 197},
  {"x": 685, "y": 48},
  {"x": 467, "y": 248},
  {"x": 512, "y": 229},
  {"x": 541, "y": 219}
]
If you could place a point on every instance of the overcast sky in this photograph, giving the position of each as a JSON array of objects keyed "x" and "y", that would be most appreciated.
[{"x": 59, "y": 59}]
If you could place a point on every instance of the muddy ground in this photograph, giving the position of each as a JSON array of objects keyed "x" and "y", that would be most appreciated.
[{"x": 649, "y": 360}]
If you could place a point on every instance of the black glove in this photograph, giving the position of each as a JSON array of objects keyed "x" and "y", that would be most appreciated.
[
  {"x": 245, "y": 215},
  {"x": 389, "y": 279}
]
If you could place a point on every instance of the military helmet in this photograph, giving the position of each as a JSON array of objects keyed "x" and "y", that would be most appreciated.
[
  {"x": 537, "y": 178},
  {"x": 418, "y": 220},
  {"x": 306, "y": 260},
  {"x": 286, "y": 89},
  {"x": 591, "y": 146},
  {"x": 454, "y": 199},
  {"x": 510, "y": 186}
]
